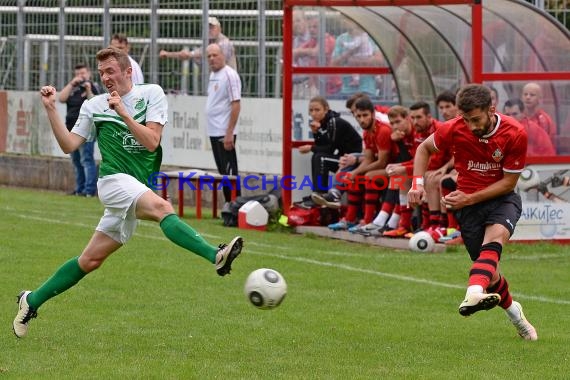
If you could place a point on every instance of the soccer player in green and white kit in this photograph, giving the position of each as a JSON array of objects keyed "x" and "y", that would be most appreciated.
[{"x": 128, "y": 122}]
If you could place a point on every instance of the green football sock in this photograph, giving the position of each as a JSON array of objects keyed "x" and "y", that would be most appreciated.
[
  {"x": 64, "y": 278},
  {"x": 185, "y": 236}
]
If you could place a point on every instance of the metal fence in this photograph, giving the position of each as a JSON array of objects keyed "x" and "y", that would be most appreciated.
[
  {"x": 559, "y": 9},
  {"x": 42, "y": 40}
]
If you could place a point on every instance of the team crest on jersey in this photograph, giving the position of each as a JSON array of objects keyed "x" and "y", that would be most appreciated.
[
  {"x": 139, "y": 105},
  {"x": 497, "y": 155}
]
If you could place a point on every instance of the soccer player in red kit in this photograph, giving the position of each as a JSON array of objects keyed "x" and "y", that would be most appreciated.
[
  {"x": 489, "y": 152},
  {"x": 376, "y": 155}
]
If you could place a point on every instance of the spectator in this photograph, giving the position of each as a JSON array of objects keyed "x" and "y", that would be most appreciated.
[
  {"x": 215, "y": 36},
  {"x": 78, "y": 90},
  {"x": 334, "y": 137},
  {"x": 308, "y": 55},
  {"x": 539, "y": 143},
  {"x": 222, "y": 111},
  {"x": 355, "y": 48},
  {"x": 301, "y": 36},
  {"x": 120, "y": 41},
  {"x": 532, "y": 98},
  {"x": 484, "y": 202}
]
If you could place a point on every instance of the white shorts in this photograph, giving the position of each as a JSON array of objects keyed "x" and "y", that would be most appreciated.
[{"x": 119, "y": 194}]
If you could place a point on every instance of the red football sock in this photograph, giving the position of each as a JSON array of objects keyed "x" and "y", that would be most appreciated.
[
  {"x": 484, "y": 268},
  {"x": 502, "y": 288}
]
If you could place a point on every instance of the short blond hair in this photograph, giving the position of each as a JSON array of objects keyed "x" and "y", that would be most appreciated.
[{"x": 113, "y": 52}]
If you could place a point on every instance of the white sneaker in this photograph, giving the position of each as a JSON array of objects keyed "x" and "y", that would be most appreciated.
[
  {"x": 226, "y": 254},
  {"x": 25, "y": 313},
  {"x": 366, "y": 230},
  {"x": 478, "y": 301},
  {"x": 523, "y": 326}
]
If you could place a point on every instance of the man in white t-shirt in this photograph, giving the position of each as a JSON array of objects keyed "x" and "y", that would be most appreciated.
[
  {"x": 120, "y": 41},
  {"x": 222, "y": 112}
]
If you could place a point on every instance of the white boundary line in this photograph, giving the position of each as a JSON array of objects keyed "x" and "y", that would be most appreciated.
[{"x": 319, "y": 263}]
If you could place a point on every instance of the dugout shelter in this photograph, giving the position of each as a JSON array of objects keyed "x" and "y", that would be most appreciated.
[{"x": 426, "y": 47}]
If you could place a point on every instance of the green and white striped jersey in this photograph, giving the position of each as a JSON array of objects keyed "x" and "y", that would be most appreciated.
[{"x": 120, "y": 151}]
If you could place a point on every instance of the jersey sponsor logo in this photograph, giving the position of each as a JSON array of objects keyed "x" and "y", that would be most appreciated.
[
  {"x": 497, "y": 155},
  {"x": 482, "y": 166},
  {"x": 484, "y": 141},
  {"x": 130, "y": 144},
  {"x": 139, "y": 105}
]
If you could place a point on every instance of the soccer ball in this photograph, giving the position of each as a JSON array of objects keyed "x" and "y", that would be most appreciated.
[
  {"x": 422, "y": 242},
  {"x": 265, "y": 288},
  {"x": 529, "y": 179}
]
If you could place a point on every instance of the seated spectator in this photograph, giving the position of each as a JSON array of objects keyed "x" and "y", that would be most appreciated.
[
  {"x": 539, "y": 143},
  {"x": 532, "y": 99},
  {"x": 334, "y": 137}
]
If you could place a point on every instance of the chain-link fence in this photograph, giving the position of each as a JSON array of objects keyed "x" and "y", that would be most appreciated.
[{"x": 42, "y": 40}]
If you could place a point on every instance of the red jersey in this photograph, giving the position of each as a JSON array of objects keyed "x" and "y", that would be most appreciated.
[
  {"x": 403, "y": 150},
  {"x": 481, "y": 161},
  {"x": 379, "y": 139},
  {"x": 539, "y": 143},
  {"x": 438, "y": 159},
  {"x": 544, "y": 121},
  {"x": 333, "y": 82},
  {"x": 418, "y": 138}
]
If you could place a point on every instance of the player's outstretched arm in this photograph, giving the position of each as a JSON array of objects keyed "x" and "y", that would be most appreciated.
[{"x": 67, "y": 141}]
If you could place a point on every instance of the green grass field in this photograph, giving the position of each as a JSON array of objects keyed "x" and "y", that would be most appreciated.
[{"x": 154, "y": 311}]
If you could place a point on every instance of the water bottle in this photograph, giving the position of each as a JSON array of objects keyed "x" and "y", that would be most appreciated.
[{"x": 298, "y": 126}]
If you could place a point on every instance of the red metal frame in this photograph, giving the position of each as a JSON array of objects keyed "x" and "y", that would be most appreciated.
[
  {"x": 373, "y": 3},
  {"x": 478, "y": 76}
]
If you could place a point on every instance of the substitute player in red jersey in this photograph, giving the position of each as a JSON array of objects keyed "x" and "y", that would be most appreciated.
[
  {"x": 489, "y": 152},
  {"x": 376, "y": 155}
]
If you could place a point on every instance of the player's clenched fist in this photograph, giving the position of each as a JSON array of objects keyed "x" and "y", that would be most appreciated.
[
  {"x": 48, "y": 95},
  {"x": 115, "y": 102}
]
